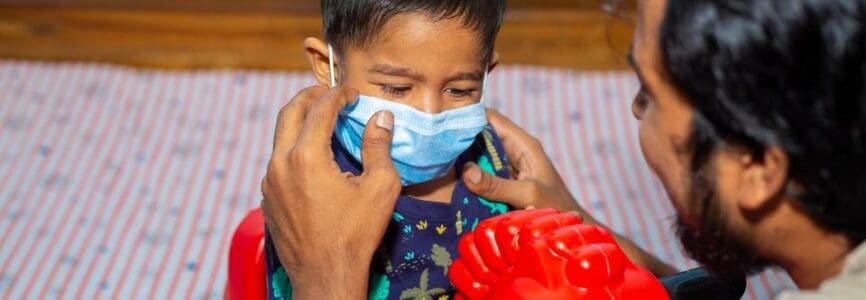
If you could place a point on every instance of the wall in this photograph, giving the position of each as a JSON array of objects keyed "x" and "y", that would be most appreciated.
[{"x": 267, "y": 34}]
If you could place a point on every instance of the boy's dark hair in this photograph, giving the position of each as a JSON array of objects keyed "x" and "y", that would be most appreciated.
[
  {"x": 356, "y": 23},
  {"x": 780, "y": 73}
]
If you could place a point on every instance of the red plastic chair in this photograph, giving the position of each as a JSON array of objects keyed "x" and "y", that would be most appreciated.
[{"x": 246, "y": 277}]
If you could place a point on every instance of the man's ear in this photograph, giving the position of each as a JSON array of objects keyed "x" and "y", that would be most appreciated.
[
  {"x": 317, "y": 53},
  {"x": 494, "y": 61},
  {"x": 762, "y": 180}
]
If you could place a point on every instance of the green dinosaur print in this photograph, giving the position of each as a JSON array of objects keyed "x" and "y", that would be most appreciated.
[
  {"x": 380, "y": 286},
  {"x": 421, "y": 292},
  {"x": 484, "y": 164},
  {"x": 495, "y": 207}
]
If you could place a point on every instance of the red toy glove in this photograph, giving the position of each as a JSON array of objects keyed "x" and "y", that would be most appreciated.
[{"x": 545, "y": 254}]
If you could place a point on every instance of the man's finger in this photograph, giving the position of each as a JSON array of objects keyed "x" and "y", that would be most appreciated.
[
  {"x": 516, "y": 141},
  {"x": 506, "y": 129},
  {"x": 526, "y": 153},
  {"x": 376, "y": 149},
  {"x": 291, "y": 118},
  {"x": 319, "y": 124},
  {"x": 512, "y": 192}
]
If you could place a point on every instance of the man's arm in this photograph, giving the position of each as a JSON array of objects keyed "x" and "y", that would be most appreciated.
[
  {"x": 637, "y": 254},
  {"x": 325, "y": 224}
]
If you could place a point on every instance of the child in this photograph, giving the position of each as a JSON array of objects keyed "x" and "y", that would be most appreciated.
[{"x": 426, "y": 61}]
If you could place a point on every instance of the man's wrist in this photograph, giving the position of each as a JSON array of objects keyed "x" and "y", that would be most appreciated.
[
  {"x": 643, "y": 258},
  {"x": 342, "y": 281}
]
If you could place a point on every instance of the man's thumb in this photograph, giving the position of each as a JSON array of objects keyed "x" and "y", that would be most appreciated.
[
  {"x": 492, "y": 187},
  {"x": 376, "y": 147}
]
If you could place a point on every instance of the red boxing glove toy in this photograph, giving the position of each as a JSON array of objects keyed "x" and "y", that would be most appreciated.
[{"x": 545, "y": 254}]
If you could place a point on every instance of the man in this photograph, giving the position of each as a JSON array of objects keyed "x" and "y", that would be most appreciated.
[{"x": 752, "y": 113}]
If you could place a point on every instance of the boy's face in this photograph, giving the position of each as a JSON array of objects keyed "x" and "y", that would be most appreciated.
[{"x": 429, "y": 64}]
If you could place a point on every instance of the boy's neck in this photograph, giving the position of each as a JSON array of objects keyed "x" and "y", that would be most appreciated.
[{"x": 438, "y": 190}]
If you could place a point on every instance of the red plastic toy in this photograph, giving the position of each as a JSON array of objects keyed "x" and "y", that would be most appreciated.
[
  {"x": 246, "y": 277},
  {"x": 545, "y": 254}
]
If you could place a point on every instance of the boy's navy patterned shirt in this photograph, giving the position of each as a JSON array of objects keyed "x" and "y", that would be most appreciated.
[{"x": 421, "y": 240}]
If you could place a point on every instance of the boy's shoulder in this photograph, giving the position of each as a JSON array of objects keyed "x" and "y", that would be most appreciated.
[{"x": 489, "y": 153}]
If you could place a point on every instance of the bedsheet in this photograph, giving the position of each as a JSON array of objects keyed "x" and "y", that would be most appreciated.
[{"x": 127, "y": 183}]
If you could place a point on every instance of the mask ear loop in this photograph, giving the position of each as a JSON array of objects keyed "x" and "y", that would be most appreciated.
[
  {"x": 484, "y": 88},
  {"x": 331, "y": 65}
]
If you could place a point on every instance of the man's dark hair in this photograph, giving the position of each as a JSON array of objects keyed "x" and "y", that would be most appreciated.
[
  {"x": 356, "y": 23},
  {"x": 780, "y": 73}
]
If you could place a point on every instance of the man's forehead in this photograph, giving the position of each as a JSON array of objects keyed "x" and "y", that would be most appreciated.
[
  {"x": 650, "y": 11},
  {"x": 646, "y": 38}
]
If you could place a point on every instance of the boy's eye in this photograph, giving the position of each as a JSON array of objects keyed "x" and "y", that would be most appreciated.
[
  {"x": 397, "y": 91},
  {"x": 458, "y": 93}
]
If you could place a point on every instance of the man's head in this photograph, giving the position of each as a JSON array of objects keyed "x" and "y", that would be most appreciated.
[
  {"x": 429, "y": 54},
  {"x": 753, "y": 113}
]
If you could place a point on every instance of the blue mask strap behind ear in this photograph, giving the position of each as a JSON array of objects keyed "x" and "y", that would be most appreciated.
[{"x": 331, "y": 65}]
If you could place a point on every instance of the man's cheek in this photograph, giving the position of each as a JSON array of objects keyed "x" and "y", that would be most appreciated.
[
  {"x": 666, "y": 167},
  {"x": 646, "y": 144},
  {"x": 653, "y": 152}
]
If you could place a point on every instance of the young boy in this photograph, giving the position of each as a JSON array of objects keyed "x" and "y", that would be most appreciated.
[{"x": 426, "y": 61}]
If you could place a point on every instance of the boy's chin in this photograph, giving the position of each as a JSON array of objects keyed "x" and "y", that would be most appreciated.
[{"x": 448, "y": 179}]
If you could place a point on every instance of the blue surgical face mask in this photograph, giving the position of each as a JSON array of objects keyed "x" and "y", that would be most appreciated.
[{"x": 425, "y": 146}]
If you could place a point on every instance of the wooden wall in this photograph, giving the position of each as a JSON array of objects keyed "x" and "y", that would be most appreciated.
[{"x": 267, "y": 34}]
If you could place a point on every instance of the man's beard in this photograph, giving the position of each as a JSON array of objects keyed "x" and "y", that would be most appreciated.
[{"x": 715, "y": 243}]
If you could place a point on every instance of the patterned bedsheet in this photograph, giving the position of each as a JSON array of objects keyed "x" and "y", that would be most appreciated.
[{"x": 127, "y": 183}]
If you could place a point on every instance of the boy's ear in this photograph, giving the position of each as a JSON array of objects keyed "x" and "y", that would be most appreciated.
[
  {"x": 494, "y": 61},
  {"x": 317, "y": 53}
]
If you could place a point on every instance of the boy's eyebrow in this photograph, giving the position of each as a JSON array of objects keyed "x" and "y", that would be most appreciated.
[
  {"x": 396, "y": 71},
  {"x": 477, "y": 75}
]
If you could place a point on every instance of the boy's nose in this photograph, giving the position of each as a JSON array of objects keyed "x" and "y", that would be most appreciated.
[{"x": 431, "y": 104}]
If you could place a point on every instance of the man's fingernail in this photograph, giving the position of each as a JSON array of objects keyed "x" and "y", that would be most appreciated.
[
  {"x": 385, "y": 120},
  {"x": 473, "y": 174}
]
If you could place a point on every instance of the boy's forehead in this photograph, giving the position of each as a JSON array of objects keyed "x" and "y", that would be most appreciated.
[
  {"x": 414, "y": 38},
  {"x": 408, "y": 72},
  {"x": 418, "y": 29}
]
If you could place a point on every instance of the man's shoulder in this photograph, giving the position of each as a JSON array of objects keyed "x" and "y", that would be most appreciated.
[
  {"x": 839, "y": 288},
  {"x": 849, "y": 284}
]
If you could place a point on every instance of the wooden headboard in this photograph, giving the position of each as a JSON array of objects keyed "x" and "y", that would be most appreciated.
[{"x": 267, "y": 34}]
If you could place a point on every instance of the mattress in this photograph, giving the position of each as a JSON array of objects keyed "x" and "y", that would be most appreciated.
[{"x": 127, "y": 183}]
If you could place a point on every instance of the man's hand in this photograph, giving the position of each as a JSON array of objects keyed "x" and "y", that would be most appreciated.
[
  {"x": 538, "y": 185},
  {"x": 326, "y": 225}
]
